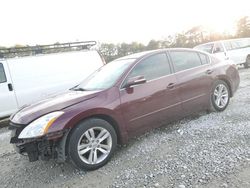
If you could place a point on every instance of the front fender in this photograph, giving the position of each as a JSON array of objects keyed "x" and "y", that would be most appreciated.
[{"x": 70, "y": 119}]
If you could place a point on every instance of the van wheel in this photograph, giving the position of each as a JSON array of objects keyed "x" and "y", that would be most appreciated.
[
  {"x": 247, "y": 63},
  {"x": 220, "y": 96},
  {"x": 91, "y": 144}
]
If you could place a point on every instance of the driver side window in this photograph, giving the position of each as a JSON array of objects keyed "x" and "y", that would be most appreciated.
[{"x": 152, "y": 67}]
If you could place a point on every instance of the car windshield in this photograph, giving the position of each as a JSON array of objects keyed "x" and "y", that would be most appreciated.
[{"x": 106, "y": 76}]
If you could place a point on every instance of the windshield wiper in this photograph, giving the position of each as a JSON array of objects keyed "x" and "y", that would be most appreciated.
[{"x": 78, "y": 89}]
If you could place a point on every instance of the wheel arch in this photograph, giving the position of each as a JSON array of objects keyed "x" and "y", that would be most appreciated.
[
  {"x": 108, "y": 118},
  {"x": 112, "y": 122}
]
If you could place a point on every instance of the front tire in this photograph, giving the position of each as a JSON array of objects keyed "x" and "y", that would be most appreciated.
[
  {"x": 220, "y": 96},
  {"x": 91, "y": 144}
]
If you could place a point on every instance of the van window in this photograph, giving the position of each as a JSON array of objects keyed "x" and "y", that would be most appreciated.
[
  {"x": 206, "y": 47},
  {"x": 2, "y": 74},
  {"x": 152, "y": 67},
  {"x": 218, "y": 48},
  {"x": 237, "y": 44},
  {"x": 228, "y": 45},
  {"x": 183, "y": 60}
]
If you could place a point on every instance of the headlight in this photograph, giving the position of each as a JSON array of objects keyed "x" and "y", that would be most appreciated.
[{"x": 40, "y": 126}]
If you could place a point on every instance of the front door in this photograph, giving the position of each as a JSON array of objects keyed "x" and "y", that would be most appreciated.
[
  {"x": 152, "y": 103},
  {"x": 8, "y": 102}
]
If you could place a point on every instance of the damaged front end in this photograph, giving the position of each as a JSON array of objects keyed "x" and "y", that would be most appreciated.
[{"x": 51, "y": 146}]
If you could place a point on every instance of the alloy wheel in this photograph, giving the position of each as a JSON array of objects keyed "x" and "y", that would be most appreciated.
[
  {"x": 94, "y": 145},
  {"x": 220, "y": 96}
]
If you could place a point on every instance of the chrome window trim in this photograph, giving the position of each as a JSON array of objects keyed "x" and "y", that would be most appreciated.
[
  {"x": 191, "y": 68},
  {"x": 170, "y": 63}
]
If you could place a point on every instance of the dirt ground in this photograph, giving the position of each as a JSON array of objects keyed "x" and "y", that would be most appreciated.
[{"x": 206, "y": 150}]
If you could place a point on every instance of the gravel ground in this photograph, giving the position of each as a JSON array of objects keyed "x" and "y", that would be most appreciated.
[{"x": 206, "y": 150}]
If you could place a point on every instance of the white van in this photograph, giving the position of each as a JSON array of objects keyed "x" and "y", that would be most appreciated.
[
  {"x": 25, "y": 80},
  {"x": 237, "y": 50}
]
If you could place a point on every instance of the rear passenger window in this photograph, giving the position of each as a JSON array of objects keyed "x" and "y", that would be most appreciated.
[
  {"x": 183, "y": 60},
  {"x": 2, "y": 74},
  {"x": 204, "y": 58},
  {"x": 152, "y": 67}
]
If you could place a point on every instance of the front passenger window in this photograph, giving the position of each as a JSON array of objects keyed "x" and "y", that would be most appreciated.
[
  {"x": 2, "y": 74},
  {"x": 152, "y": 67}
]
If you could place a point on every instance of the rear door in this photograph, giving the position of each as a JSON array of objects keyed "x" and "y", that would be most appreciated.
[
  {"x": 155, "y": 102},
  {"x": 8, "y": 103},
  {"x": 194, "y": 78}
]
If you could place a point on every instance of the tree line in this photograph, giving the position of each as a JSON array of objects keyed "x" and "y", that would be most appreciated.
[{"x": 186, "y": 39}]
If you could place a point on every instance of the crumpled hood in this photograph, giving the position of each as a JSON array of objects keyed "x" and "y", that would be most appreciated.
[{"x": 54, "y": 103}]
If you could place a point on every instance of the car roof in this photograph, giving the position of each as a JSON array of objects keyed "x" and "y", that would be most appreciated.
[
  {"x": 225, "y": 40},
  {"x": 151, "y": 52}
]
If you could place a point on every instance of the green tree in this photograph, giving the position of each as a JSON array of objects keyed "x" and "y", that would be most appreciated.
[
  {"x": 123, "y": 49},
  {"x": 194, "y": 36},
  {"x": 153, "y": 44},
  {"x": 108, "y": 51}
]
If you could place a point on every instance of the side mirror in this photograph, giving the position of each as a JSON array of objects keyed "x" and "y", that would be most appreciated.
[{"x": 135, "y": 81}]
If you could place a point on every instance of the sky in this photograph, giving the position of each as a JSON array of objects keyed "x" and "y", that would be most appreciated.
[{"x": 48, "y": 21}]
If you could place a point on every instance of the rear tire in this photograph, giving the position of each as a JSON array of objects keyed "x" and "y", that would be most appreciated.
[
  {"x": 220, "y": 96},
  {"x": 92, "y": 144}
]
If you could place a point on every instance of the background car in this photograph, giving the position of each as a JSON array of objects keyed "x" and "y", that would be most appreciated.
[
  {"x": 237, "y": 50},
  {"x": 123, "y": 99}
]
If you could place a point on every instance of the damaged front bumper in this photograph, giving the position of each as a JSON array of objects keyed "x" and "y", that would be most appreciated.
[{"x": 51, "y": 146}]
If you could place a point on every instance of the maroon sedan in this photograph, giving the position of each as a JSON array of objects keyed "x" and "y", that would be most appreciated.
[{"x": 120, "y": 100}]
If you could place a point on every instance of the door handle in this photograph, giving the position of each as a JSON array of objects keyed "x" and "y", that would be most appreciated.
[
  {"x": 209, "y": 71},
  {"x": 10, "y": 87},
  {"x": 170, "y": 86}
]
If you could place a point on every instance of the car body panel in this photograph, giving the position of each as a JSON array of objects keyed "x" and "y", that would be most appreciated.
[
  {"x": 194, "y": 88},
  {"x": 58, "y": 102},
  {"x": 149, "y": 105}
]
